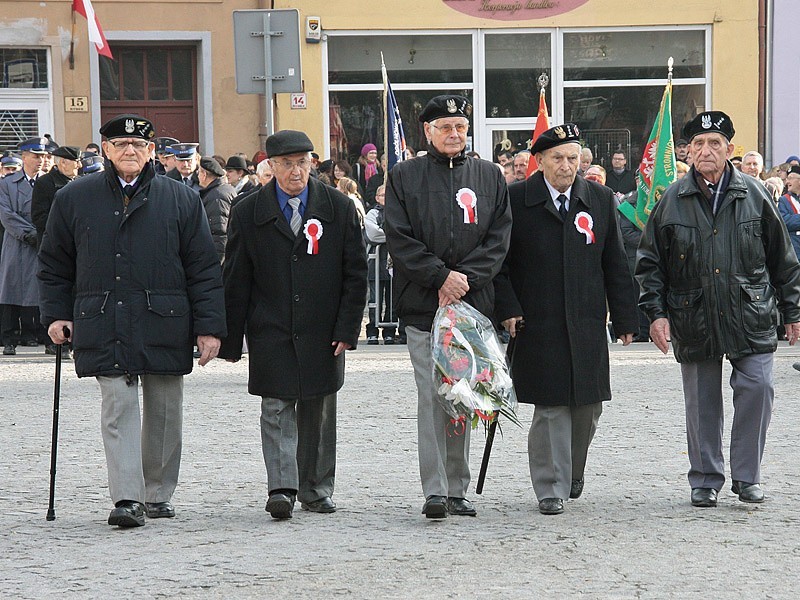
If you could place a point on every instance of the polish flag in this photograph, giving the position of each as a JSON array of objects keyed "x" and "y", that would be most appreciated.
[{"x": 84, "y": 8}]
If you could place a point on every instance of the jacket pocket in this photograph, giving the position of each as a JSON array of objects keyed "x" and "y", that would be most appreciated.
[
  {"x": 758, "y": 309},
  {"x": 168, "y": 319},
  {"x": 90, "y": 321},
  {"x": 687, "y": 317},
  {"x": 752, "y": 247}
]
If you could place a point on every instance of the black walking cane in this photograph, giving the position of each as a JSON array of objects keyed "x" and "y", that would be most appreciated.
[
  {"x": 487, "y": 449},
  {"x": 51, "y": 511}
]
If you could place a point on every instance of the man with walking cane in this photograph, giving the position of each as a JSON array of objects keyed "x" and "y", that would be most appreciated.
[
  {"x": 51, "y": 510},
  {"x": 127, "y": 263}
]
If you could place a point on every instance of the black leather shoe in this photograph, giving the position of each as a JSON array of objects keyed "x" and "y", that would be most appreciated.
[
  {"x": 9, "y": 350},
  {"x": 748, "y": 492},
  {"x": 280, "y": 505},
  {"x": 551, "y": 506},
  {"x": 31, "y": 343},
  {"x": 127, "y": 513},
  {"x": 160, "y": 510},
  {"x": 704, "y": 497},
  {"x": 388, "y": 341},
  {"x": 435, "y": 507},
  {"x": 323, "y": 505},
  {"x": 576, "y": 488},
  {"x": 373, "y": 340},
  {"x": 461, "y": 507}
]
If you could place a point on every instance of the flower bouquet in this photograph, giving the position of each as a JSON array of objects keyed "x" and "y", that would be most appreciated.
[{"x": 469, "y": 368}]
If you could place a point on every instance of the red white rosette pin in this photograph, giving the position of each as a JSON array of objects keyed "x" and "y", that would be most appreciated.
[
  {"x": 584, "y": 224},
  {"x": 313, "y": 231},
  {"x": 468, "y": 202}
]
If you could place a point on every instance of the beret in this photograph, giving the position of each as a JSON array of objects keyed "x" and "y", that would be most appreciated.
[
  {"x": 448, "y": 105},
  {"x": 212, "y": 166},
  {"x": 711, "y": 121},
  {"x": 794, "y": 169},
  {"x": 568, "y": 133},
  {"x": 70, "y": 152},
  {"x": 163, "y": 143},
  {"x": 183, "y": 151},
  {"x": 681, "y": 142},
  {"x": 91, "y": 163},
  {"x": 133, "y": 126},
  {"x": 286, "y": 142},
  {"x": 36, "y": 145},
  {"x": 236, "y": 162}
]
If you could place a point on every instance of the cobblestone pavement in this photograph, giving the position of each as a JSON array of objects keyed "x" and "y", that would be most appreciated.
[{"x": 632, "y": 534}]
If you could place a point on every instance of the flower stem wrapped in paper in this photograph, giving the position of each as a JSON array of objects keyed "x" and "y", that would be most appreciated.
[{"x": 469, "y": 368}]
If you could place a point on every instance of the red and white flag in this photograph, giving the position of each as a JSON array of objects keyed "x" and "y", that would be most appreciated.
[
  {"x": 542, "y": 125},
  {"x": 85, "y": 8}
]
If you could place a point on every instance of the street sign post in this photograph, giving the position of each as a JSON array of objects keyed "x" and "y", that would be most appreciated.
[{"x": 267, "y": 51}]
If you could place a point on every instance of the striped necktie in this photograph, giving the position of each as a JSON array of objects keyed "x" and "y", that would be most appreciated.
[{"x": 296, "y": 221}]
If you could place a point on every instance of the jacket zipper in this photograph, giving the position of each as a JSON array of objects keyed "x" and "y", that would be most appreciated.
[{"x": 452, "y": 223}]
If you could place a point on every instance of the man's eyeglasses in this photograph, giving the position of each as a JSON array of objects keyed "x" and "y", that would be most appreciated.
[
  {"x": 303, "y": 164},
  {"x": 447, "y": 129},
  {"x": 123, "y": 145}
]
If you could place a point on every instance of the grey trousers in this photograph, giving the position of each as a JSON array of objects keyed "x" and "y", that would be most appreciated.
[
  {"x": 298, "y": 440},
  {"x": 558, "y": 444},
  {"x": 443, "y": 458},
  {"x": 753, "y": 396},
  {"x": 143, "y": 454}
]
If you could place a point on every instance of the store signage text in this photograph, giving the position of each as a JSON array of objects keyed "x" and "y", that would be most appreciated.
[{"x": 513, "y": 10}]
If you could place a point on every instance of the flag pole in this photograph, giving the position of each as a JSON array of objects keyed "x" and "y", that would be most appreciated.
[
  {"x": 72, "y": 42},
  {"x": 385, "y": 119}
]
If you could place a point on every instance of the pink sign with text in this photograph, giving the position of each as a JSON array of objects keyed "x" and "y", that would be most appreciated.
[{"x": 513, "y": 10}]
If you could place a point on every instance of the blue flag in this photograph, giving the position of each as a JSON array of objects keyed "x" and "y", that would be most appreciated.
[{"x": 395, "y": 139}]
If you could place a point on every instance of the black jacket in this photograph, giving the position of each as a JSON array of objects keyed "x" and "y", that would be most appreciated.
[
  {"x": 146, "y": 279},
  {"x": 427, "y": 236},
  {"x": 173, "y": 173},
  {"x": 292, "y": 303},
  {"x": 217, "y": 197},
  {"x": 42, "y": 199},
  {"x": 719, "y": 279},
  {"x": 623, "y": 183},
  {"x": 563, "y": 286}
]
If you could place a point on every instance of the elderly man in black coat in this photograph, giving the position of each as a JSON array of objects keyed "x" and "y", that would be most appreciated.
[
  {"x": 217, "y": 196},
  {"x": 565, "y": 262},
  {"x": 128, "y": 274},
  {"x": 296, "y": 278}
]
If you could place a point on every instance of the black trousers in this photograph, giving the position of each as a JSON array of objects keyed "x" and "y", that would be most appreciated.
[{"x": 20, "y": 324}]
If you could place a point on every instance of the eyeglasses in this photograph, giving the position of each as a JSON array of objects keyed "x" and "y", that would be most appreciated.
[
  {"x": 461, "y": 128},
  {"x": 123, "y": 145},
  {"x": 303, "y": 164}
]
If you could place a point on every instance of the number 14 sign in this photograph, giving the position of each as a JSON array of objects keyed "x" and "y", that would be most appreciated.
[{"x": 299, "y": 101}]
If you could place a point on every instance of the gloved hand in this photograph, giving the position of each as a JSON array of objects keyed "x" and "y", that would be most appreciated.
[{"x": 31, "y": 239}]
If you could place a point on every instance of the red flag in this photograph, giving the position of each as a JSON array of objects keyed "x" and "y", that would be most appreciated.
[
  {"x": 542, "y": 125},
  {"x": 85, "y": 9}
]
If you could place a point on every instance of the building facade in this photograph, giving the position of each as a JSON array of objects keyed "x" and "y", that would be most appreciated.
[{"x": 605, "y": 62}]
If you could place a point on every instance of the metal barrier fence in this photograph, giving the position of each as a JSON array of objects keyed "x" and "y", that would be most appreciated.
[{"x": 374, "y": 304}]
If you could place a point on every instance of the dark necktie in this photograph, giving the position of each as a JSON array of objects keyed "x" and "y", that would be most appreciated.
[
  {"x": 128, "y": 191},
  {"x": 32, "y": 181},
  {"x": 562, "y": 210},
  {"x": 186, "y": 181}
]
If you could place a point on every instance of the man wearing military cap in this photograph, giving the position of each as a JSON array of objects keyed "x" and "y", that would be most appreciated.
[
  {"x": 128, "y": 267},
  {"x": 715, "y": 266},
  {"x": 187, "y": 161},
  {"x": 447, "y": 225},
  {"x": 296, "y": 279},
  {"x": 9, "y": 163},
  {"x": 162, "y": 152},
  {"x": 566, "y": 264},
  {"x": 18, "y": 292}
]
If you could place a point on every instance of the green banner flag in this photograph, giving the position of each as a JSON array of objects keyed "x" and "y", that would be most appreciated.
[{"x": 657, "y": 169}]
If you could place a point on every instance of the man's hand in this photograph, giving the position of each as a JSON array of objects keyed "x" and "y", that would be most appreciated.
[
  {"x": 56, "y": 331},
  {"x": 626, "y": 338},
  {"x": 340, "y": 347},
  {"x": 453, "y": 288},
  {"x": 659, "y": 333},
  {"x": 510, "y": 325},
  {"x": 208, "y": 345},
  {"x": 792, "y": 332},
  {"x": 30, "y": 239}
]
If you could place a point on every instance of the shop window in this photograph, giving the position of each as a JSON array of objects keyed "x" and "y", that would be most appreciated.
[
  {"x": 593, "y": 55},
  {"x": 514, "y": 63},
  {"x": 621, "y": 118},
  {"x": 357, "y": 118},
  {"x": 409, "y": 59}
]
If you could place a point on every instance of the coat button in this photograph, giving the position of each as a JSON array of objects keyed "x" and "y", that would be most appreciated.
[
  {"x": 297, "y": 298},
  {"x": 686, "y": 303},
  {"x": 294, "y": 257},
  {"x": 118, "y": 255},
  {"x": 683, "y": 256},
  {"x": 296, "y": 336},
  {"x": 116, "y": 365},
  {"x": 119, "y": 302},
  {"x": 715, "y": 232},
  {"x": 116, "y": 213},
  {"x": 118, "y": 342},
  {"x": 758, "y": 297},
  {"x": 716, "y": 271},
  {"x": 117, "y": 277}
]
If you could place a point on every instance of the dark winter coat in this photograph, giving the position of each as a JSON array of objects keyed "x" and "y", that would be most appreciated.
[
  {"x": 43, "y": 194},
  {"x": 623, "y": 183},
  {"x": 293, "y": 304},
  {"x": 146, "y": 279},
  {"x": 194, "y": 184},
  {"x": 18, "y": 256},
  {"x": 560, "y": 284},
  {"x": 427, "y": 236},
  {"x": 719, "y": 279},
  {"x": 217, "y": 197}
]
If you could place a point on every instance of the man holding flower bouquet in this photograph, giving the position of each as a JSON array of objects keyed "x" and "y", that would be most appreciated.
[{"x": 447, "y": 227}]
